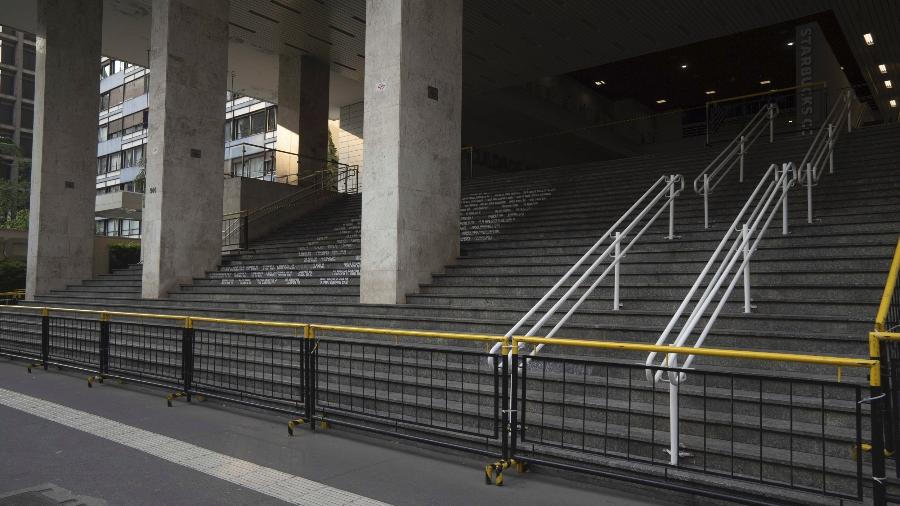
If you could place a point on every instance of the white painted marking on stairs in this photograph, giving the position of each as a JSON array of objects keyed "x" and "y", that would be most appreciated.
[{"x": 271, "y": 482}]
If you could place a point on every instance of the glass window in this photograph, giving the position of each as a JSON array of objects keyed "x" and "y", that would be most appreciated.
[
  {"x": 103, "y": 133},
  {"x": 27, "y": 119},
  {"x": 28, "y": 57},
  {"x": 131, "y": 228},
  {"x": 8, "y": 82},
  {"x": 115, "y": 162},
  {"x": 112, "y": 227},
  {"x": 6, "y": 111},
  {"x": 146, "y": 84},
  {"x": 115, "y": 128},
  {"x": 104, "y": 101},
  {"x": 228, "y": 130},
  {"x": 25, "y": 144},
  {"x": 242, "y": 127},
  {"x": 270, "y": 119},
  {"x": 102, "y": 165},
  {"x": 106, "y": 69},
  {"x": 118, "y": 66},
  {"x": 134, "y": 156},
  {"x": 99, "y": 227},
  {"x": 258, "y": 122},
  {"x": 27, "y": 87},
  {"x": 116, "y": 96},
  {"x": 7, "y": 52},
  {"x": 6, "y": 132},
  {"x": 134, "y": 89}
]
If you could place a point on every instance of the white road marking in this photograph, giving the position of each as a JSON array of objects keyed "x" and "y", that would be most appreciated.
[{"x": 274, "y": 483}]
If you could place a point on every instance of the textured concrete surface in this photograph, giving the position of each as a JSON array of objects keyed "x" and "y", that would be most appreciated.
[
  {"x": 40, "y": 451},
  {"x": 288, "y": 116},
  {"x": 182, "y": 231},
  {"x": 413, "y": 98},
  {"x": 64, "y": 158},
  {"x": 313, "y": 115}
]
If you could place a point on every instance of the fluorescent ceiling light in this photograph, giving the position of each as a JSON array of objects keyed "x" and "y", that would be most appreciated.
[
  {"x": 661, "y": 101},
  {"x": 791, "y": 43},
  {"x": 765, "y": 82},
  {"x": 684, "y": 66},
  {"x": 870, "y": 40},
  {"x": 790, "y": 121},
  {"x": 882, "y": 68},
  {"x": 711, "y": 92},
  {"x": 888, "y": 84},
  {"x": 893, "y": 103},
  {"x": 600, "y": 82}
]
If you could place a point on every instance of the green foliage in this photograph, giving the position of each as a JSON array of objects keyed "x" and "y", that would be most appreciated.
[
  {"x": 12, "y": 275},
  {"x": 123, "y": 254},
  {"x": 17, "y": 222},
  {"x": 14, "y": 194}
]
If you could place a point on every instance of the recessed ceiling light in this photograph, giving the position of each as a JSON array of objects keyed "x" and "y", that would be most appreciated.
[
  {"x": 765, "y": 82},
  {"x": 684, "y": 65},
  {"x": 791, "y": 43},
  {"x": 711, "y": 92},
  {"x": 882, "y": 68},
  {"x": 790, "y": 121},
  {"x": 600, "y": 82},
  {"x": 893, "y": 103},
  {"x": 661, "y": 101},
  {"x": 870, "y": 40},
  {"x": 888, "y": 84}
]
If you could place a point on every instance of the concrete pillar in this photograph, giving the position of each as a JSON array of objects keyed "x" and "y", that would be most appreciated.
[
  {"x": 314, "y": 81},
  {"x": 288, "y": 116},
  {"x": 64, "y": 158},
  {"x": 411, "y": 185},
  {"x": 182, "y": 227}
]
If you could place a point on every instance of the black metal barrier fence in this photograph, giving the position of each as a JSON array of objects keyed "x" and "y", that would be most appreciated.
[{"x": 566, "y": 409}]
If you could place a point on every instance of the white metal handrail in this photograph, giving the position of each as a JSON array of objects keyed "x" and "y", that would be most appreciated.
[
  {"x": 822, "y": 146},
  {"x": 744, "y": 235},
  {"x": 659, "y": 197},
  {"x": 733, "y": 154}
]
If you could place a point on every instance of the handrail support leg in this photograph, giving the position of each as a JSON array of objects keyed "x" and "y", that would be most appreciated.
[
  {"x": 741, "y": 173},
  {"x": 785, "y": 186},
  {"x": 671, "y": 208},
  {"x": 830, "y": 148},
  {"x": 673, "y": 412},
  {"x": 809, "y": 183},
  {"x": 745, "y": 239},
  {"x": 617, "y": 259},
  {"x": 705, "y": 201}
]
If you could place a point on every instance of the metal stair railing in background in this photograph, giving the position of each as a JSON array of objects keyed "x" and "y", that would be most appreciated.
[
  {"x": 822, "y": 148},
  {"x": 744, "y": 234},
  {"x": 659, "y": 197},
  {"x": 343, "y": 179},
  {"x": 733, "y": 154}
]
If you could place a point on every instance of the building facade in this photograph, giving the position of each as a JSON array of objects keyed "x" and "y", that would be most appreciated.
[{"x": 17, "y": 64}]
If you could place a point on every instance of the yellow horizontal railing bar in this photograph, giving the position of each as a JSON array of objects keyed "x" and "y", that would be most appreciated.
[
  {"x": 875, "y": 339},
  {"x": 411, "y": 333},
  {"x": 872, "y": 365},
  {"x": 823, "y": 84},
  {"x": 257, "y": 323},
  {"x": 98, "y": 312},
  {"x": 889, "y": 288}
]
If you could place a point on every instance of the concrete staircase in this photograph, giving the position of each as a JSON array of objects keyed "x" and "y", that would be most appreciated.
[{"x": 814, "y": 291}]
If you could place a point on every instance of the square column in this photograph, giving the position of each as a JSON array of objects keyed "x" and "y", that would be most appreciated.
[
  {"x": 64, "y": 156},
  {"x": 302, "y": 114},
  {"x": 412, "y": 113},
  {"x": 182, "y": 227}
]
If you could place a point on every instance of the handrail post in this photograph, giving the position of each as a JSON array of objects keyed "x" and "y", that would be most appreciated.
[
  {"x": 45, "y": 337},
  {"x": 741, "y": 173},
  {"x": 785, "y": 186},
  {"x": 849, "y": 113},
  {"x": 673, "y": 412},
  {"x": 745, "y": 239},
  {"x": 879, "y": 474},
  {"x": 809, "y": 182},
  {"x": 705, "y": 200},
  {"x": 771, "y": 123},
  {"x": 671, "y": 208},
  {"x": 830, "y": 148},
  {"x": 187, "y": 357},
  {"x": 616, "y": 258},
  {"x": 104, "y": 344}
]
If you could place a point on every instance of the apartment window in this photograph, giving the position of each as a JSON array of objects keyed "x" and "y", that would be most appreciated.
[
  {"x": 100, "y": 227},
  {"x": 118, "y": 66},
  {"x": 6, "y": 111},
  {"x": 6, "y": 133},
  {"x": 228, "y": 133},
  {"x": 242, "y": 127},
  {"x": 134, "y": 122},
  {"x": 27, "y": 119},
  {"x": 7, "y": 52},
  {"x": 131, "y": 228},
  {"x": 258, "y": 122},
  {"x": 134, "y": 88},
  {"x": 134, "y": 156},
  {"x": 106, "y": 69},
  {"x": 30, "y": 36},
  {"x": 102, "y": 165},
  {"x": 8, "y": 82},
  {"x": 270, "y": 119},
  {"x": 112, "y": 227},
  {"x": 104, "y": 101},
  {"x": 103, "y": 133},
  {"x": 147, "y": 84},
  {"x": 28, "y": 87},
  {"x": 115, "y": 162},
  {"x": 25, "y": 144},
  {"x": 115, "y": 129},
  {"x": 254, "y": 167},
  {"x": 116, "y": 96},
  {"x": 29, "y": 58}
]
